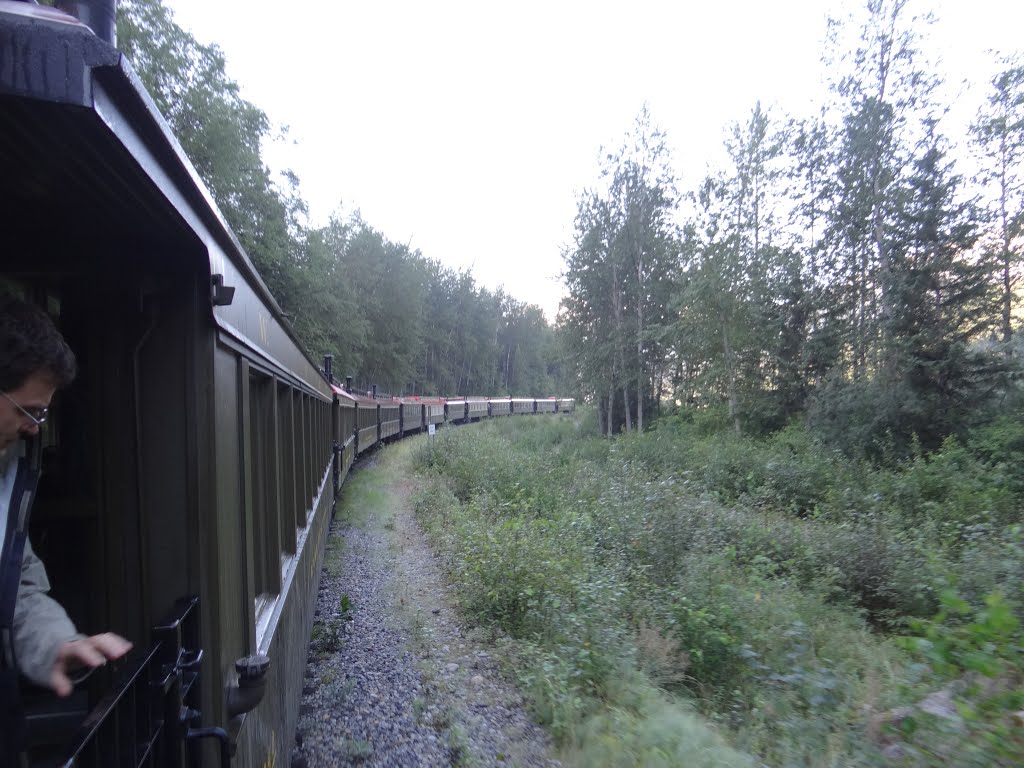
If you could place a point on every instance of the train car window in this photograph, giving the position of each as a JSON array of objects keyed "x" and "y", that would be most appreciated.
[
  {"x": 322, "y": 440},
  {"x": 307, "y": 403},
  {"x": 286, "y": 461},
  {"x": 298, "y": 462},
  {"x": 326, "y": 441},
  {"x": 325, "y": 432},
  {"x": 348, "y": 424},
  {"x": 265, "y": 484}
]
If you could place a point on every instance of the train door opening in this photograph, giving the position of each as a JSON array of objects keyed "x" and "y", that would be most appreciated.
[{"x": 109, "y": 518}]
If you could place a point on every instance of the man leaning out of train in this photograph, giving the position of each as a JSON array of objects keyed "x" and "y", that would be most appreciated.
[{"x": 37, "y": 638}]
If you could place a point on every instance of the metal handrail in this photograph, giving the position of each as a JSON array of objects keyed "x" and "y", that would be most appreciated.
[{"x": 144, "y": 720}]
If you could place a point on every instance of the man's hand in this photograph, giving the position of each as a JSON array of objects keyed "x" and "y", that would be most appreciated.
[{"x": 89, "y": 652}]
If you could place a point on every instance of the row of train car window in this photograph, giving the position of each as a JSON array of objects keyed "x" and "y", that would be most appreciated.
[{"x": 286, "y": 440}]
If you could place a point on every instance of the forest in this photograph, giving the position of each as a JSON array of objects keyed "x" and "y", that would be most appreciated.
[
  {"x": 855, "y": 268},
  {"x": 786, "y": 528}
]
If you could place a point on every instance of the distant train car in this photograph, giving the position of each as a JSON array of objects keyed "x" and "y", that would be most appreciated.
[
  {"x": 455, "y": 411},
  {"x": 499, "y": 406},
  {"x": 433, "y": 411},
  {"x": 344, "y": 432},
  {"x": 521, "y": 405},
  {"x": 390, "y": 414},
  {"x": 547, "y": 405},
  {"x": 566, "y": 405},
  {"x": 411, "y": 415},
  {"x": 476, "y": 409},
  {"x": 367, "y": 418}
]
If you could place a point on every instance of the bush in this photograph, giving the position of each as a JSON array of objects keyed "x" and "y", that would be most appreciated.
[
  {"x": 993, "y": 562},
  {"x": 515, "y": 572},
  {"x": 977, "y": 654},
  {"x": 656, "y": 732},
  {"x": 1000, "y": 445}
]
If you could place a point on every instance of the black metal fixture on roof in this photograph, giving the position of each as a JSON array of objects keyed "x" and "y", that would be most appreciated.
[
  {"x": 99, "y": 15},
  {"x": 221, "y": 295}
]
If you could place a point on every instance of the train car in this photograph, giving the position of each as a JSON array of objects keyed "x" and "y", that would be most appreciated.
[
  {"x": 546, "y": 405},
  {"x": 433, "y": 411},
  {"x": 455, "y": 411},
  {"x": 367, "y": 422},
  {"x": 476, "y": 409},
  {"x": 566, "y": 405},
  {"x": 343, "y": 433},
  {"x": 411, "y": 415},
  {"x": 499, "y": 406},
  {"x": 390, "y": 420},
  {"x": 185, "y": 494},
  {"x": 522, "y": 405}
]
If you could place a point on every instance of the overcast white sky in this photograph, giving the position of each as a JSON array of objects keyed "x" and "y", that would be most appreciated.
[{"x": 467, "y": 129}]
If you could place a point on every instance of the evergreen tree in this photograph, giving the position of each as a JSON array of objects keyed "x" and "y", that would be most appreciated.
[{"x": 939, "y": 295}]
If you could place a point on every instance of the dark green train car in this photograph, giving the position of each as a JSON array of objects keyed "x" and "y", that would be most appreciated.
[
  {"x": 187, "y": 472},
  {"x": 390, "y": 420},
  {"x": 411, "y": 415}
]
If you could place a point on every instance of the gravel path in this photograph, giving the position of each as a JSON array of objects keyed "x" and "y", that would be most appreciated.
[{"x": 392, "y": 678}]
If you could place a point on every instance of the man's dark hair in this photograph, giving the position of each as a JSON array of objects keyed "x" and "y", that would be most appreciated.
[{"x": 29, "y": 342}]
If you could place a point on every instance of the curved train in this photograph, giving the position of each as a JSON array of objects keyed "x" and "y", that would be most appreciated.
[{"x": 191, "y": 470}]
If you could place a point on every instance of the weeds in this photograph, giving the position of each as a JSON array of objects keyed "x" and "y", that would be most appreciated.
[
  {"x": 976, "y": 655},
  {"x": 458, "y": 748},
  {"x": 356, "y": 749},
  {"x": 652, "y": 579},
  {"x": 327, "y": 636}
]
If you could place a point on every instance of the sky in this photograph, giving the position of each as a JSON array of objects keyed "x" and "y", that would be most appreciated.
[{"x": 467, "y": 130}]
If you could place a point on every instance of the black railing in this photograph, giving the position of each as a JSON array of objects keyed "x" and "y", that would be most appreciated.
[{"x": 145, "y": 720}]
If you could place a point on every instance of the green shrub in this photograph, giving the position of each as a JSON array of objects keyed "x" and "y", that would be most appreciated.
[
  {"x": 951, "y": 488},
  {"x": 977, "y": 654},
  {"x": 511, "y": 569},
  {"x": 655, "y": 732},
  {"x": 992, "y": 561}
]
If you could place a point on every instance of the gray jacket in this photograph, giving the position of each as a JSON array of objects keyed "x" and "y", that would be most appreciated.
[{"x": 39, "y": 625}]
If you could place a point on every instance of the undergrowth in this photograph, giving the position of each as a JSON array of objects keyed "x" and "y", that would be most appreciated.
[{"x": 685, "y": 597}]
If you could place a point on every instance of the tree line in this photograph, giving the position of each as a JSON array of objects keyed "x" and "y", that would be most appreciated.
[
  {"x": 389, "y": 315},
  {"x": 841, "y": 268}
]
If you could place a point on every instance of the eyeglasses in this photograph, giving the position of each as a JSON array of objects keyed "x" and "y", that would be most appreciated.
[{"x": 37, "y": 415}]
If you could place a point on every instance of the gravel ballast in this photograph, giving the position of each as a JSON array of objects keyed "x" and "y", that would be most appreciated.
[{"x": 392, "y": 678}]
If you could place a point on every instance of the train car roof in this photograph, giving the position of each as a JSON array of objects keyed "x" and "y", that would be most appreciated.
[
  {"x": 90, "y": 165},
  {"x": 343, "y": 395},
  {"x": 362, "y": 399}
]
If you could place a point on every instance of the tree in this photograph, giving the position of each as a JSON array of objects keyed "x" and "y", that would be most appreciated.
[
  {"x": 999, "y": 134},
  {"x": 619, "y": 271},
  {"x": 879, "y": 99},
  {"x": 643, "y": 199},
  {"x": 735, "y": 274},
  {"x": 219, "y": 130},
  {"x": 939, "y": 297},
  {"x": 586, "y": 316}
]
